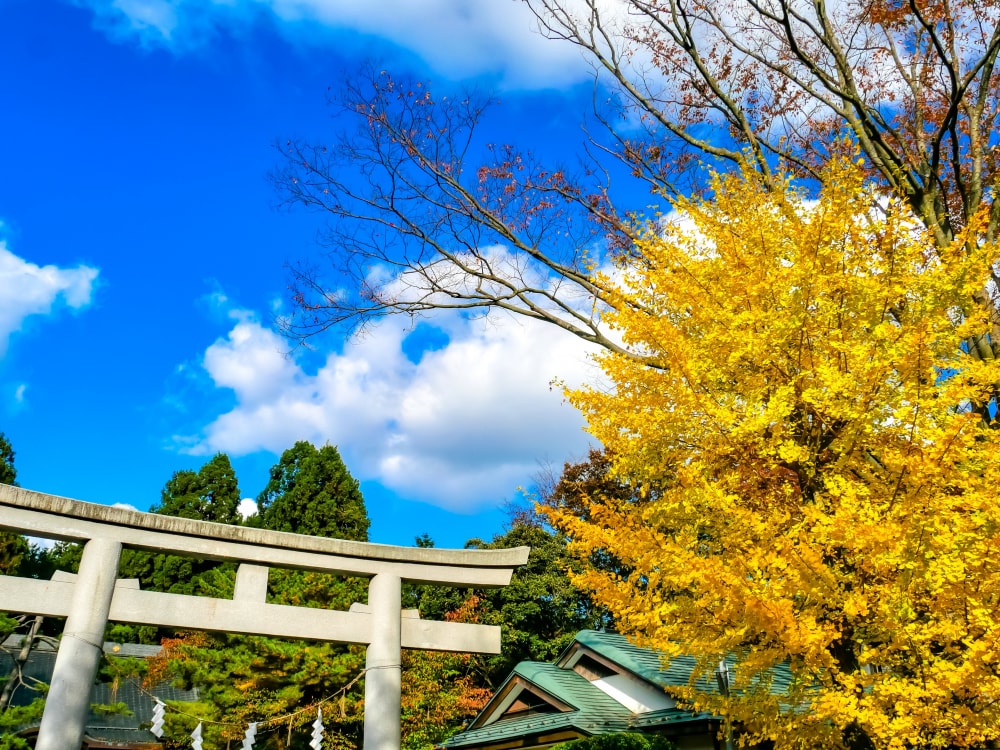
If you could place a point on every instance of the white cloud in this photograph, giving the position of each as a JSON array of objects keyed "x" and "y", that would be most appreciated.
[
  {"x": 247, "y": 507},
  {"x": 27, "y": 289},
  {"x": 459, "y": 428},
  {"x": 19, "y": 392},
  {"x": 456, "y": 38},
  {"x": 145, "y": 16},
  {"x": 124, "y": 506}
]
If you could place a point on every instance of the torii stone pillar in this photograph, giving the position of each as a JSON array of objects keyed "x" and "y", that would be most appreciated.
[
  {"x": 383, "y": 677},
  {"x": 68, "y": 702},
  {"x": 93, "y": 597}
]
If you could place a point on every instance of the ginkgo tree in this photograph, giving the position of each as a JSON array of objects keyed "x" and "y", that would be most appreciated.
[
  {"x": 816, "y": 459},
  {"x": 805, "y": 391}
]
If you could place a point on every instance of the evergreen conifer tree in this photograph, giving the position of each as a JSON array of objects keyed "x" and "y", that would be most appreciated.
[
  {"x": 210, "y": 494},
  {"x": 253, "y": 678},
  {"x": 13, "y": 547},
  {"x": 8, "y": 474},
  {"x": 312, "y": 492}
]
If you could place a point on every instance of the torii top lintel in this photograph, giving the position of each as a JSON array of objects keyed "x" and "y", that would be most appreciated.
[{"x": 53, "y": 517}]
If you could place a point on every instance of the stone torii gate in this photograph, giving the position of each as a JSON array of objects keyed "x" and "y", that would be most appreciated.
[{"x": 95, "y": 595}]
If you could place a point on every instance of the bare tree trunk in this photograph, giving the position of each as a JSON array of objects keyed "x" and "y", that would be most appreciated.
[{"x": 19, "y": 661}]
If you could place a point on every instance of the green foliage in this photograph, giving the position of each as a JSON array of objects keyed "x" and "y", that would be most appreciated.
[
  {"x": 158, "y": 572},
  {"x": 439, "y": 695},
  {"x": 17, "y": 555},
  {"x": 13, "y": 547},
  {"x": 66, "y": 556},
  {"x": 14, "y": 550},
  {"x": 619, "y": 741},
  {"x": 8, "y": 474},
  {"x": 116, "y": 669},
  {"x": 210, "y": 494},
  {"x": 38, "y": 563},
  {"x": 249, "y": 678},
  {"x": 21, "y": 558},
  {"x": 312, "y": 492},
  {"x": 14, "y": 719},
  {"x": 303, "y": 588},
  {"x": 540, "y": 610},
  {"x": 121, "y": 633},
  {"x": 178, "y": 724},
  {"x": 7, "y": 626}
]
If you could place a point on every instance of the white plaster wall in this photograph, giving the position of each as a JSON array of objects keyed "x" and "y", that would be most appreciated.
[{"x": 637, "y": 697}]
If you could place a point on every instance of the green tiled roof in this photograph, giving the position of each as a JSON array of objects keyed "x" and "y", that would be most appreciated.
[
  {"x": 641, "y": 661},
  {"x": 568, "y": 686},
  {"x": 527, "y": 726},
  {"x": 648, "y": 664},
  {"x": 594, "y": 712}
]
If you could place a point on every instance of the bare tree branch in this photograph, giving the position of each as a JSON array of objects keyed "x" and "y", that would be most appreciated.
[{"x": 421, "y": 220}]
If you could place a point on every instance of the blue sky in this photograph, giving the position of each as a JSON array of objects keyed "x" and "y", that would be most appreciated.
[{"x": 142, "y": 257}]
